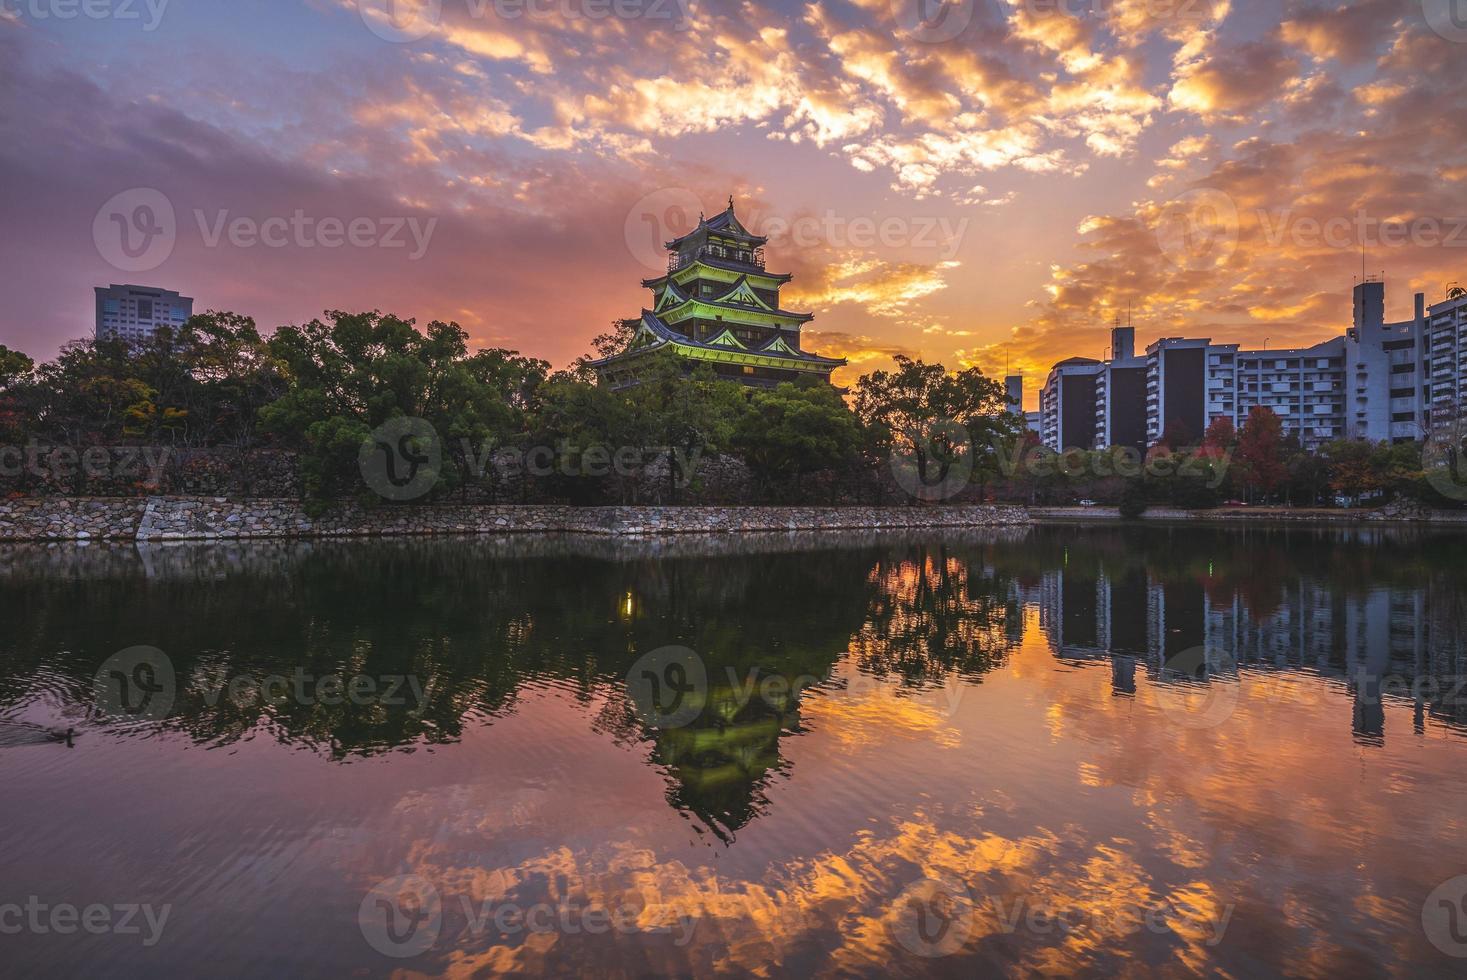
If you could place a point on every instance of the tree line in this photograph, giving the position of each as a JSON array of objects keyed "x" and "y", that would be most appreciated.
[{"x": 319, "y": 390}]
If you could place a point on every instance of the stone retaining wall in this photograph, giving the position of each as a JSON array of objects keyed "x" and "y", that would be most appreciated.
[
  {"x": 208, "y": 518},
  {"x": 1450, "y": 518}
]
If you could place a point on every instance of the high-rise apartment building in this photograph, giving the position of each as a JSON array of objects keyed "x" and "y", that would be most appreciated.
[
  {"x": 1379, "y": 381},
  {"x": 134, "y": 313}
]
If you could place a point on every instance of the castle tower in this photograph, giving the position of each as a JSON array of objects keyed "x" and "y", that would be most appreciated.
[{"x": 718, "y": 305}]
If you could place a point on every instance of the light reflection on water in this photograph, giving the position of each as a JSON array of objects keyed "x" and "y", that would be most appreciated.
[{"x": 1121, "y": 751}]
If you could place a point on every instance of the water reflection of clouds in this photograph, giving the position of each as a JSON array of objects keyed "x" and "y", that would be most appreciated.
[{"x": 975, "y": 722}]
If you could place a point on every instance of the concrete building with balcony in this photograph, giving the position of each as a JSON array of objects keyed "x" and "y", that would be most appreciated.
[
  {"x": 1120, "y": 394},
  {"x": 1067, "y": 404},
  {"x": 1384, "y": 377},
  {"x": 1443, "y": 366},
  {"x": 1379, "y": 381}
]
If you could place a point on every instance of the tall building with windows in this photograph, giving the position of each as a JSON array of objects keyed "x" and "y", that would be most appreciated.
[
  {"x": 1379, "y": 381},
  {"x": 718, "y": 305},
  {"x": 1067, "y": 405},
  {"x": 1384, "y": 378},
  {"x": 134, "y": 313},
  {"x": 1443, "y": 364},
  {"x": 1120, "y": 394}
]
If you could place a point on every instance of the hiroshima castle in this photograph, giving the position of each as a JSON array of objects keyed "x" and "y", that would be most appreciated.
[{"x": 718, "y": 306}]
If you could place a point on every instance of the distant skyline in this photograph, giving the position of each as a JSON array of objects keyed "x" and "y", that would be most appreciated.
[{"x": 995, "y": 186}]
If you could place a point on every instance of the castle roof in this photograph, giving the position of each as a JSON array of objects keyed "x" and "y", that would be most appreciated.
[
  {"x": 725, "y": 223},
  {"x": 658, "y": 333}
]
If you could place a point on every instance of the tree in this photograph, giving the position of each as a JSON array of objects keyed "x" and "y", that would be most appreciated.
[
  {"x": 1350, "y": 471},
  {"x": 578, "y": 417},
  {"x": 1176, "y": 435},
  {"x": 1220, "y": 435},
  {"x": 354, "y": 372},
  {"x": 1260, "y": 450},
  {"x": 795, "y": 429},
  {"x": 682, "y": 416},
  {"x": 1133, "y": 499},
  {"x": 15, "y": 375},
  {"x": 935, "y": 418}
]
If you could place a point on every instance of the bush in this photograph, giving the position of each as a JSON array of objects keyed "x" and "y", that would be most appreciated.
[{"x": 1133, "y": 500}]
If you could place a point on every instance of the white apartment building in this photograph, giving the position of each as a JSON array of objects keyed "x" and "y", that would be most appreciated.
[
  {"x": 1444, "y": 361},
  {"x": 134, "y": 313},
  {"x": 1379, "y": 381}
]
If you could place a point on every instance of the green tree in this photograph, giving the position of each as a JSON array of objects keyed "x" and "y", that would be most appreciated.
[
  {"x": 15, "y": 376},
  {"x": 793, "y": 430},
  {"x": 920, "y": 410},
  {"x": 682, "y": 416},
  {"x": 353, "y": 372}
]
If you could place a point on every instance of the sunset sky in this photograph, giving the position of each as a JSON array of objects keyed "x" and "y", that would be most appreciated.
[{"x": 1002, "y": 193}]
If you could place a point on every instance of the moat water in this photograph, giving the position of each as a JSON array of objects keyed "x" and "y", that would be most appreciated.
[{"x": 1129, "y": 751}]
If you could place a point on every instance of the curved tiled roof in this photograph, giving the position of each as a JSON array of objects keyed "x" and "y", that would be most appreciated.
[{"x": 665, "y": 333}]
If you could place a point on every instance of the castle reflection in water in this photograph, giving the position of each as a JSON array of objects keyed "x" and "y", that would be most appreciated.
[{"x": 1361, "y": 619}]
